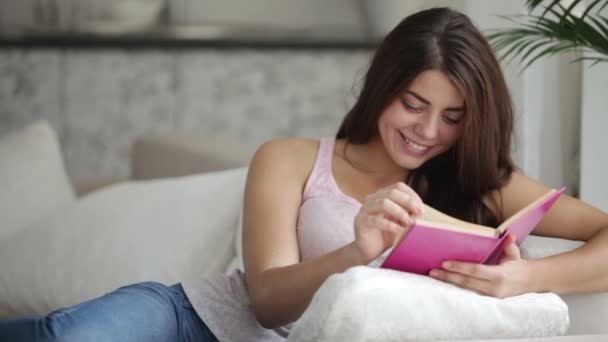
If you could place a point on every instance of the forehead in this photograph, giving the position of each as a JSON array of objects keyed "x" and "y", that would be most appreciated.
[{"x": 437, "y": 88}]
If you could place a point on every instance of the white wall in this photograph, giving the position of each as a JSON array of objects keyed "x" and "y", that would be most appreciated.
[
  {"x": 546, "y": 97},
  {"x": 594, "y": 135},
  {"x": 594, "y": 126},
  {"x": 551, "y": 121}
]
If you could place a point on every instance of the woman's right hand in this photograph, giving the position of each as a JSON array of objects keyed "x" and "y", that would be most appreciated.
[{"x": 384, "y": 215}]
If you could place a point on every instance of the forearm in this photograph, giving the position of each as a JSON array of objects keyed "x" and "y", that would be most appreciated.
[
  {"x": 282, "y": 294},
  {"x": 581, "y": 270}
]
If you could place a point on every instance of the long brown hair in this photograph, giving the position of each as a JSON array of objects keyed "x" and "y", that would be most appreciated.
[{"x": 480, "y": 162}]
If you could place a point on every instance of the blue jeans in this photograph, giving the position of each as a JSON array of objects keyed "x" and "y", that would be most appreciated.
[{"x": 149, "y": 312}]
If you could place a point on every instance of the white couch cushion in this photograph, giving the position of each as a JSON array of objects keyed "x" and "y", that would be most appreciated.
[
  {"x": 33, "y": 181},
  {"x": 164, "y": 230},
  {"x": 371, "y": 304},
  {"x": 588, "y": 312},
  {"x": 237, "y": 261},
  {"x": 343, "y": 307}
]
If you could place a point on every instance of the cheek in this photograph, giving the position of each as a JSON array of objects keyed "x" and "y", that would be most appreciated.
[
  {"x": 390, "y": 120},
  {"x": 450, "y": 135}
]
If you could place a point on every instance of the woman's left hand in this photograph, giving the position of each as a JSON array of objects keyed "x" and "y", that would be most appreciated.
[{"x": 510, "y": 277}]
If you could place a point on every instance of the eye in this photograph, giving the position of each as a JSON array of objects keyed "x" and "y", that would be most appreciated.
[
  {"x": 451, "y": 120},
  {"x": 411, "y": 107}
]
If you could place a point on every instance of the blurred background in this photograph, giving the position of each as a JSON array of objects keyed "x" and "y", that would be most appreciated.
[{"x": 105, "y": 72}]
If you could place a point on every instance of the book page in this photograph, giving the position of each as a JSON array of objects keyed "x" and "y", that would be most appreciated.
[
  {"x": 433, "y": 215},
  {"x": 470, "y": 228},
  {"x": 524, "y": 210}
]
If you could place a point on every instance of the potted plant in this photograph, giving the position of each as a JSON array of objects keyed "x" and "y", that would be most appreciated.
[
  {"x": 557, "y": 29},
  {"x": 554, "y": 27}
]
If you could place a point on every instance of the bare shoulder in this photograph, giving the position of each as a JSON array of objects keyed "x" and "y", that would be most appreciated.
[
  {"x": 290, "y": 146},
  {"x": 295, "y": 155},
  {"x": 273, "y": 195}
]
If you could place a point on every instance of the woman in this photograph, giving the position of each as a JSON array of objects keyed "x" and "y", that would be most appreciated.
[{"x": 433, "y": 125}]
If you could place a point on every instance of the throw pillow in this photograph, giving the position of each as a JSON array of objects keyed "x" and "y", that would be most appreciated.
[
  {"x": 33, "y": 181},
  {"x": 166, "y": 230}
]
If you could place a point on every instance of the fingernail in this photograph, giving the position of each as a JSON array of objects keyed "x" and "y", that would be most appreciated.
[
  {"x": 446, "y": 265},
  {"x": 434, "y": 273}
]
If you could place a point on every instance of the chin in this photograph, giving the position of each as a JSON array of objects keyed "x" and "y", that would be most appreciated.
[
  {"x": 411, "y": 165},
  {"x": 410, "y": 161},
  {"x": 406, "y": 161}
]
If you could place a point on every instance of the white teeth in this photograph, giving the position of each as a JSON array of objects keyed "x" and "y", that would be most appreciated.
[{"x": 416, "y": 146}]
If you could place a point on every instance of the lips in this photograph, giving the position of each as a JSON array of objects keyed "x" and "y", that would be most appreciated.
[{"x": 413, "y": 147}]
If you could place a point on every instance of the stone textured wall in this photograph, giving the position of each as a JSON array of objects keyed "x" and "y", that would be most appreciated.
[{"x": 100, "y": 100}]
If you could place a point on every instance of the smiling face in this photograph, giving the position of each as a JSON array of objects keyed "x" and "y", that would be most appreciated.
[{"x": 423, "y": 121}]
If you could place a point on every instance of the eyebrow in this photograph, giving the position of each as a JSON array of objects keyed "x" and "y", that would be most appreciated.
[{"x": 422, "y": 99}]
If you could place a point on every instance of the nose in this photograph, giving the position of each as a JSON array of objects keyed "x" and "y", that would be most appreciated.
[{"x": 428, "y": 126}]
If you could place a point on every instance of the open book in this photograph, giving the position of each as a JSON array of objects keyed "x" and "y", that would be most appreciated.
[{"x": 436, "y": 237}]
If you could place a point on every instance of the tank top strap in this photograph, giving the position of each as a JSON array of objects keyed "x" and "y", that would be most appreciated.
[{"x": 320, "y": 180}]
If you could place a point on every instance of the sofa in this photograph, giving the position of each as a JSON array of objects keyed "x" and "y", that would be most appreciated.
[{"x": 176, "y": 217}]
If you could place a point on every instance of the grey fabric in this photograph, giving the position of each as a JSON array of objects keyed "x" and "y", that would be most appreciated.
[{"x": 174, "y": 154}]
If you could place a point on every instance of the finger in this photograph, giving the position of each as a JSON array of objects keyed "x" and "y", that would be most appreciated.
[
  {"x": 390, "y": 209},
  {"x": 413, "y": 194},
  {"x": 405, "y": 200},
  {"x": 479, "y": 271},
  {"x": 511, "y": 251},
  {"x": 471, "y": 283},
  {"x": 385, "y": 224}
]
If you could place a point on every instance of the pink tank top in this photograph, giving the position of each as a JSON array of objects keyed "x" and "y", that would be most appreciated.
[
  {"x": 326, "y": 217},
  {"x": 325, "y": 220}
]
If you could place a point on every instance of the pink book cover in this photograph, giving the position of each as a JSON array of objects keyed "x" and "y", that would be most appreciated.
[{"x": 425, "y": 247}]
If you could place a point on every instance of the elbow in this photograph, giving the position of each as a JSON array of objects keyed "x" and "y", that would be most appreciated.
[
  {"x": 263, "y": 310},
  {"x": 263, "y": 316},
  {"x": 264, "y": 320}
]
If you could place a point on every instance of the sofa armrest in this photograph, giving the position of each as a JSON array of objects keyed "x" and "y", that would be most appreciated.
[
  {"x": 85, "y": 186},
  {"x": 179, "y": 154}
]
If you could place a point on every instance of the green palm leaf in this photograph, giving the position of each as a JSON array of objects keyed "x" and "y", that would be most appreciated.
[{"x": 556, "y": 30}]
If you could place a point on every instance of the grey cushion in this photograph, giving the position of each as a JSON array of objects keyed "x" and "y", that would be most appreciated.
[{"x": 179, "y": 154}]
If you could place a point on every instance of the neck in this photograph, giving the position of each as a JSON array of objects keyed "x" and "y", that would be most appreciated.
[{"x": 373, "y": 160}]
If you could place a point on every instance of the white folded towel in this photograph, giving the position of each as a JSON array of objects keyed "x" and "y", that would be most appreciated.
[{"x": 370, "y": 304}]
